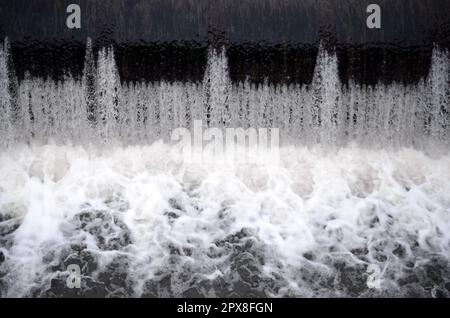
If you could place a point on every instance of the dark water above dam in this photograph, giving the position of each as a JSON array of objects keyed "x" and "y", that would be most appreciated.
[{"x": 277, "y": 40}]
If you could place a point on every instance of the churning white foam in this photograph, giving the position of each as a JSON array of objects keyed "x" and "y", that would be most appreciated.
[{"x": 318, "y": 207}]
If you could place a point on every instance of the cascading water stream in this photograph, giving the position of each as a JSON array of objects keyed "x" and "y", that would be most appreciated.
[{"x": 325, "y": 112}]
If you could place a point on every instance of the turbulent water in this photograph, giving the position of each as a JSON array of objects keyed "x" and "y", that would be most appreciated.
[{"x": 358, "y": 204}]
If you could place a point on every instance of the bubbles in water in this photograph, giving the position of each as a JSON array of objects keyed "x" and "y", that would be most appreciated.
[{"x": 351, "y": 222}]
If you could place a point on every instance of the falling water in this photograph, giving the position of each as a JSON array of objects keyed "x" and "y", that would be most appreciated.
[
  {"x": 5, "y": 98},
  {"x": 354, "y": 221},
  {"x": 101, "y": 108}
]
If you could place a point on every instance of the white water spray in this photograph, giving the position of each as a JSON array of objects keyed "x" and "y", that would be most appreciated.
[{"x": 100, "y": 107}]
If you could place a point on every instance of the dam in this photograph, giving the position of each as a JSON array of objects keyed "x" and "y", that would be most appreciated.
[{"x": 96, "y": 199}]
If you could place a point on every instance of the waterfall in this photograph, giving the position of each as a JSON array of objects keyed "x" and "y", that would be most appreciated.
[
  {"x": 324, "y": 123},
  {"x": 438, "y": 105},
  {"x": 89, "y": 175},
  {"x": 5, "y": 98},
  {"x": 88, "y": 82},
  {"x": 99, "y": 107},
  {"x": 9, "y": 108},
  {"x": 217, "y": 86},
  {"x": 107, "y": 94}
]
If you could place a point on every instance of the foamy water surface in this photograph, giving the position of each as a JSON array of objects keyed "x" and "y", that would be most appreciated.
[{"x": 140, "y": 222}]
